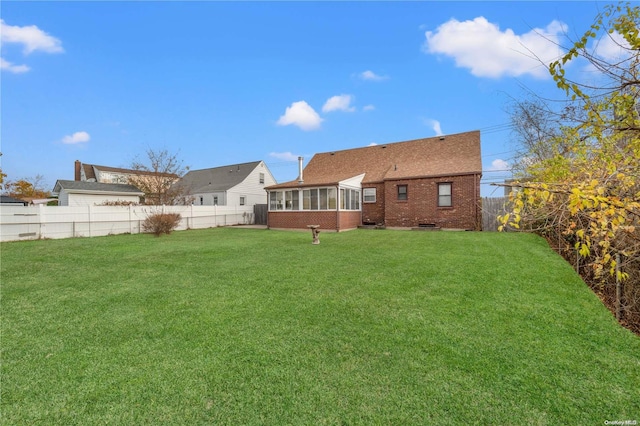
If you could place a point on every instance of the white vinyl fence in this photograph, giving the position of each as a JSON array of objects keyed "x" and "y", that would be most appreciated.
[{"x": 34, "y": 222}]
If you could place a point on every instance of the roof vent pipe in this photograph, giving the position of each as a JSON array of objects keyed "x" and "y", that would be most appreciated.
[{"x": 300, "y": 160}]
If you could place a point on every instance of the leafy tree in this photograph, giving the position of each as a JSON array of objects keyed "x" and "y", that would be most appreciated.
[
  {"x": 27, "y": 188},
  {"x": 2, "y": 176},
  {"x": 583, "y": 194},
  {"x": 157, "y": 177}
]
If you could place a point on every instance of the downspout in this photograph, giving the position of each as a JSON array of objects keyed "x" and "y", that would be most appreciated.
[
  {"x": 338, "y": 208},
  {"x": 268, "y": 205},
  {"x": 476, "y": 196},
  {"x": 361, "y": 203}
]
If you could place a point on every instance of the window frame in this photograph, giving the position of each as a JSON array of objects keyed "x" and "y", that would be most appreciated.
[
  {"x": 442, "y": 196},
  {"x": 365, "y": 195},
  {"x": 402, "y": 196},
  {"x": 324, "y": 198},
  {"x": 350, "y": 199}
]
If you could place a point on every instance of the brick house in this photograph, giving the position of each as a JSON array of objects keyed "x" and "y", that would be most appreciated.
[{"x": 432, "y": 182}]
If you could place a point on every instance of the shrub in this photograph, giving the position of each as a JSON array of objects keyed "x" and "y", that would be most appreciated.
[
  {"x": 118, "y": 203},
  {"x": 161, "y": 223}
]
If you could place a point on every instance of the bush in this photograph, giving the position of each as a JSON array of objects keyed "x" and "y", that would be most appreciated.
[{"x": 161, "y": 223}]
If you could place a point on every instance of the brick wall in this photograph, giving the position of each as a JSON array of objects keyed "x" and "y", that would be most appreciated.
[
  {"x": 300, "y": 220},
  {"x": 421, "y": 206},
  {"x": 373, "y": 213},
  {"x": 350, "y": 220},
  {"x": 326, "y": 219}
]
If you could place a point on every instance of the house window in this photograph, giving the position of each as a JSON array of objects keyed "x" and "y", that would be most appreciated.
[
  {"x": 332, "y": 198},
  {"x": 369, "y": 195},
  {"x": 291, "y": 200},
  {"x": 319, "y": 199},
  {"x": 306, "y": 199},
  {"x": 215, "y": 200},
  {"x": 261, "y": 177},
  {"x": 276, "y": 200},
  {"x": 242, "y": 201},
  {"x": 444, "y": 195},
  {"x": 402, "y": 192},
  {"x": 349, "y": 199}
]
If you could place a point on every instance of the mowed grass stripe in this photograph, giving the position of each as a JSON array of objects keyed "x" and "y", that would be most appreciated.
[{"x": 239, "y": 326}]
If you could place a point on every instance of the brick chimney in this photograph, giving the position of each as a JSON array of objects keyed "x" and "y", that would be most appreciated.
[{"x": 77, "y": 170}]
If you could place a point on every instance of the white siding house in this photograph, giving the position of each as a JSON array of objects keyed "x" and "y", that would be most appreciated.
[
  {"x": 234, "y": 185},
  {"x": 77, "y": 193}
]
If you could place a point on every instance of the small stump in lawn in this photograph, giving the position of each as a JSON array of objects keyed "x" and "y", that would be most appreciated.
[{"x": 314, "y": 232}]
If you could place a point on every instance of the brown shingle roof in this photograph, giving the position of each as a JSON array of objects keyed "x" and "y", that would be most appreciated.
[{"x": 438, "y": 156}]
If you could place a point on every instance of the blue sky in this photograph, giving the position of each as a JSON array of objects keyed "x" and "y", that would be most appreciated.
[{"x": 222, "y": 83}]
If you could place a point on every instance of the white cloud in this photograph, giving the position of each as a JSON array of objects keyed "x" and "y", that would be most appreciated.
[
  {"x": 369, "y": 75},
  {"x": 285, "y": 156},
  {"x": 77, "y": 137},
  {"x": 302, "y": 115},
  {"x": 16, "y": 69},
  {"x": 373, "y": 144},
  {"x": 32, "y": 37},
  {"x": 612, "y": 47},
  {"x": 435, "y": 125},
  {"x": 368, "y": 108},
  {"x": 339, "y": 103},
  {"x": 482, "y": 47},
  {"x": 499, "y": 165}
]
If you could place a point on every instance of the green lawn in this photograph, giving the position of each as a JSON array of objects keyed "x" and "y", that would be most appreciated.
[{"x": 243, "y": 326}]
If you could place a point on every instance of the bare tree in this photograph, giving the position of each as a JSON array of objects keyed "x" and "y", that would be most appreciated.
[{"x": 157, "y": 175}]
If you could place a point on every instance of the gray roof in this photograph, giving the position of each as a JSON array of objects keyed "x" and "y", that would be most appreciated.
[
  {"x": 83, "y": 186},
  {"x": 217, "y": 178},
  {"x": 5, "y": 199}
]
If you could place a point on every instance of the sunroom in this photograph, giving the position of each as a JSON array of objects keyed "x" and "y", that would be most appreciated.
[
  {"x": 335, "y": 206},
  {"x": 327, "y": 198}
]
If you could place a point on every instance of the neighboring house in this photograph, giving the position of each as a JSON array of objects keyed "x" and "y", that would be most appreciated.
[
  {"x": 153, "y": 183},
  {"x": 5, "y": 200},
  {"x": 75, "y": 193},
  {"x": 433, "y": 182},
  {"x": 232, "y": 185},
  {"x": 104, "y": 174}
]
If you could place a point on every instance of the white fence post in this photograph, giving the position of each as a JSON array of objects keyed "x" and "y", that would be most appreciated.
[
  {"x": 89, "y": 214},
  {"x": 41, "y": 221},
  {"x": 130, "y": 220}
]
